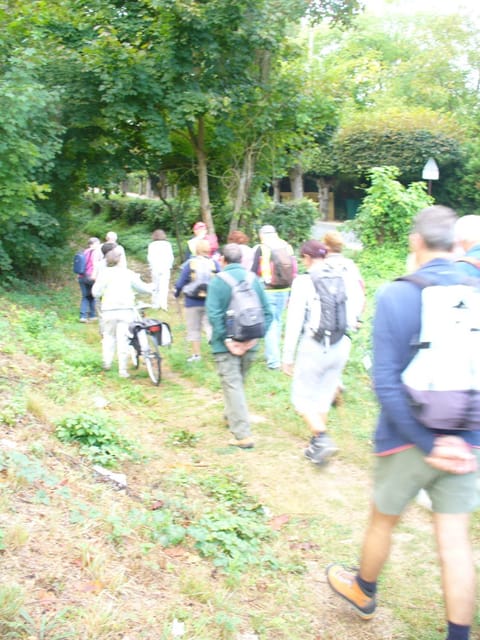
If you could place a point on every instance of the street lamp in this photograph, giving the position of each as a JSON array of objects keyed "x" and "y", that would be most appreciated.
[{"x": 430, "y": 172}]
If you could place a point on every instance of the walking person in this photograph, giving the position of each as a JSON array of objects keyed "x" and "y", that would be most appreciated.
[
  {"x": 160, "y": 259},
  {"x": 88, "y": 311},
  {"x": 275, "y": 264},
  {"x": 410, "y": 455},
  {"x": 116, "y": 286},
  {"x": 111, "y": 236},
  {"x": 232, "y": 357},
  {"x": 240, "y": 238},
  {"x": 467, "y": 238},
  {"x": 193, "y": 282},
  {"x": 334, "y": 242},
  {"x": 316, "y": 346}
]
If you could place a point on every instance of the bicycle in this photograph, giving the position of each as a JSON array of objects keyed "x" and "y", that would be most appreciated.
[{"x": 145, "y": 335}]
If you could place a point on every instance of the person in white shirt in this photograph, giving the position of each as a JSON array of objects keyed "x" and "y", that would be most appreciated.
[
  {"x": 116, "y": 286},
  {"x": 111, "y": 236},
  {"x": 316, "y": 366},
  {"x": 160, "y": 259}
]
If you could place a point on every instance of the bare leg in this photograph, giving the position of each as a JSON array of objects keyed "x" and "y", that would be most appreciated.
[
  {"x": 196, "y": 348},
  {"x": 376, "y": 544},
  {"x": 316, "y": 422},
  {"x": 457, "y": 565}
]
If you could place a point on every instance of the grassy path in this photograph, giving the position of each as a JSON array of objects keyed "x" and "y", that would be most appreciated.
[{"x": 99, "y": 562}]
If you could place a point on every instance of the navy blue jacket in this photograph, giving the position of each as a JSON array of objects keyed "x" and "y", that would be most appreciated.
[{"x": 396, "y": 325}]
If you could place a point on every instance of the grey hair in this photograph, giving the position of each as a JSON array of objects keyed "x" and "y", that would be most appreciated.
[
  {"x": 232, "y": 253},
  {"x": 111, "y": 236},
  {"x": 113, "y": 257},
  {"x": 436, "y": 225},
  {"x": 467, "y": 228}
]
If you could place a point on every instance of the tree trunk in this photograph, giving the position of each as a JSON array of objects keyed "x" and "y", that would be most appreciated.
[
  {"x": 243, "y": 186},
  {"x": 276, "y": 190},
  {"x": 198, "y": 142},
  {"x": 323, "y": 197},
  {"x": 296, "y": 182}
]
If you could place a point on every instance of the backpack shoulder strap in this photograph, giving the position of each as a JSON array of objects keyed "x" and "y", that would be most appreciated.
[
  {"x": 414, "y": 278},
  {"x": 226, "y": 277},
  {"x": 230, "y": 280},
  {"x": 470, "y": 260}
]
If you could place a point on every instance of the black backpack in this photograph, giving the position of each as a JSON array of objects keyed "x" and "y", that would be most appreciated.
[
  {"x": 245, "y": 316},
  {"x": 202, "y": 270},
  {"x": 328, "y": 315}
]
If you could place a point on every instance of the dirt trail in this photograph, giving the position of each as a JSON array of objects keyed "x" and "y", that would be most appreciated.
[{"x": 324, "y": 514}]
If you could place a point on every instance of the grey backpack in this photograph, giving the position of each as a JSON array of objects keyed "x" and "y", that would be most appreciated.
[{"x": 245, "y": 316}]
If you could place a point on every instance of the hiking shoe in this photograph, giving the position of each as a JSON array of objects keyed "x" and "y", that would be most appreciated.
[
  {"x": 321, "y": 447},
  {"x": 245, "y": 443},
  {"x": 83, "y": 319},
  {"x": 345, "y": 584},
  {"x": 194, "y": 358}
]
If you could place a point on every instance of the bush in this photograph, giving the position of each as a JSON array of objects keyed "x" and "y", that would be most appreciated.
[
  {"x": 97, "y": 436},
  {"x": 386, "y": 213},
  {"x": 292, "y": 220}
]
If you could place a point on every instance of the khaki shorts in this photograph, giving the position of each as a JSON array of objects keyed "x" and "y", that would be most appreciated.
[
  {"x": 196, "y": 321},
  {"x": 400, "y": 476}
]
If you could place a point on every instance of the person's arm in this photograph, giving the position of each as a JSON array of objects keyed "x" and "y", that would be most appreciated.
[
  {"x": 216, "y": 305},
  {"x": 170, "y": 255},
  {"x": 297, "y": 307},
  {"x": 100, "y": 284},
  {"x": 139, "y": 285},
  {"x": 267, "y": 311},
  {"x": 183, "y": 279},
  {"x": 256, "y": 260},
  {"x": 392, "y": 332}
]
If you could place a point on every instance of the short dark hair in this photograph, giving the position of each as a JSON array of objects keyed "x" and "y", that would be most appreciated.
[
  {"x": 108, "y": 246},
  {"x": 314, "y": 249},
  {"x": 436, "y": 225},
  {"x": 232, "y": 253}
]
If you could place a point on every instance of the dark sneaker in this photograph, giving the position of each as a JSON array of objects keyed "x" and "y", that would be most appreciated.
[
  {"x": 320, "y": 449},
  {"x": 345, "y": 584}
]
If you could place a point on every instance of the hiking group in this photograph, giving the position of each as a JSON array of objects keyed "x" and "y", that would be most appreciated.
[{"x": 426, "y": 367}]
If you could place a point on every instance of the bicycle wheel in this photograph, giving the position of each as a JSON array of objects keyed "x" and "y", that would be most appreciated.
[{"x": 153, "y": 360}]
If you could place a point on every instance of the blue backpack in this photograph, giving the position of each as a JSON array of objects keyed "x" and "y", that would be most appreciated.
[{"x": 79, "y": 263}]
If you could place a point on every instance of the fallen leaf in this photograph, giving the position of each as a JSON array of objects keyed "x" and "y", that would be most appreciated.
[
  {"x": 92, "y": 586},
  {"x": 277, "y": 522}
]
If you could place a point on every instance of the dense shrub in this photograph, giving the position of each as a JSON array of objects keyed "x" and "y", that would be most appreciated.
[
  {"x": 292, "y": 220},
  {"x": 386, "y": 213}
]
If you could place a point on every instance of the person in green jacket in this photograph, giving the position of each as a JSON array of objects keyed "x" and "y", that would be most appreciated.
[{"x": 233, "y": 359}]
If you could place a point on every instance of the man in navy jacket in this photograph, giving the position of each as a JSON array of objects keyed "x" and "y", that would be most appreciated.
[{"x": 410, "y": 456}]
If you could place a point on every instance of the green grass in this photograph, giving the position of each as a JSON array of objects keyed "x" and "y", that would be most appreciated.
[{"x": 227, "y": 542}]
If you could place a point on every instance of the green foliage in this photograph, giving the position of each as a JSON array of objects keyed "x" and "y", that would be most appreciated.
[
  {"x": 97, "y": 436},
  {"x": 233, "y": 532},
  {"x": 25, "y": 469},
  {"x": 159, "y": 526},
  {"x": 232, "y": 540},
  {"x": 396, "y": 137},
  {"x": 11, "y": 603},
  {"x": 386, "y": 214},
  {"x": 49, "y": 627},
  {"x": 292, "y": 220},
  {"x": 183, "y": 438},
  {"x": 30, "y": 139}
]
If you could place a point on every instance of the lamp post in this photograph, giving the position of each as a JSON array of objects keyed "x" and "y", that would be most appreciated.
[{"x": 430, "y": 172}]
